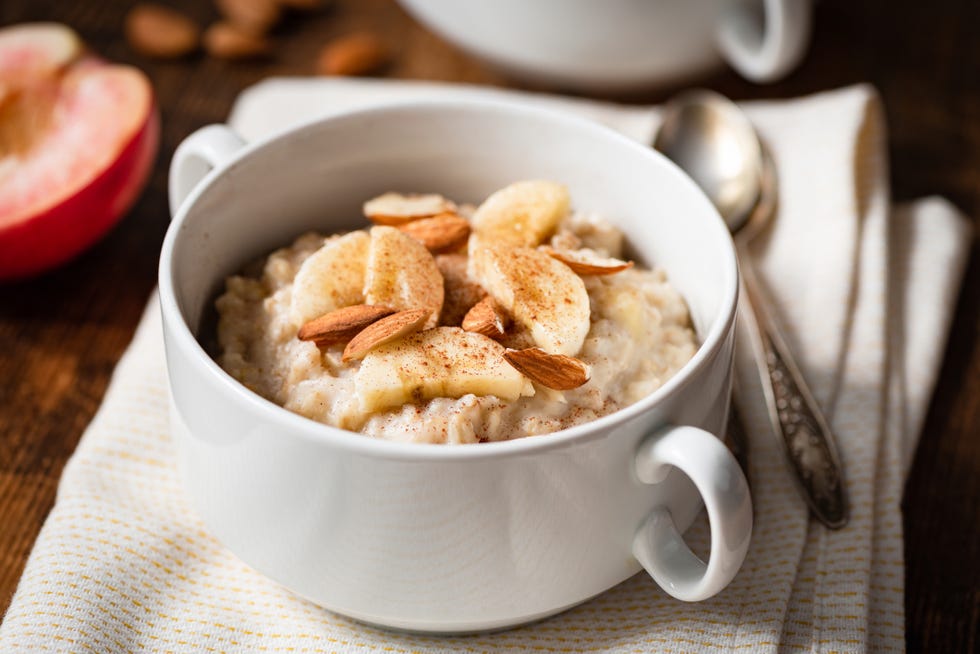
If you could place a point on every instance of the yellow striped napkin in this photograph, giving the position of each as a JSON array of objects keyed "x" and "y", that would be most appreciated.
[{"x": 864, "y": 291}]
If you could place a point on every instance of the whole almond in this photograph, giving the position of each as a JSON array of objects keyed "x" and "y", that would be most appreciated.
[
  {"x": 384, "y": 331},
  {"x": 157, "y": 31},
  {"x": 584, "y": 262},
  {"x": 255, "y": 16},
  {"x": 226, "y": 41},
  {"x": 486, "y": 318},
  {"x": 342, "y": 325},
  {"x": 355, "y": 54},
  {"x": 556, "y": 371},
  {"x": 446, "y": 232}
]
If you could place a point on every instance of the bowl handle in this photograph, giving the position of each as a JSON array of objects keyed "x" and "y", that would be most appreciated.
[
  {"x": 198, "y": 154},
  {"x": 657, "y": 544},
  {"x": 765, "y": 39}
]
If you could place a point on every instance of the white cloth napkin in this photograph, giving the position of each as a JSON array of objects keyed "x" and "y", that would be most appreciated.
[{"x": 864, "y": 292}]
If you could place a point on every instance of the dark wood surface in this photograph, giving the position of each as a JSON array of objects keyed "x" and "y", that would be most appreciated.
[{"x": 61, "y": 334}]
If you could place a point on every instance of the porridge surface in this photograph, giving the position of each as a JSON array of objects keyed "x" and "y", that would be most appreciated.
[{"x": 639, "y": 334}]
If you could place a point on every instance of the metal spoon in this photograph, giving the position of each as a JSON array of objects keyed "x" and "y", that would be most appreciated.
[{"x": 713, "y": 141}]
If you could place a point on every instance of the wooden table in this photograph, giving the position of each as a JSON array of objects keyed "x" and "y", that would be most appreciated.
[{"x": 61, "y": 334}]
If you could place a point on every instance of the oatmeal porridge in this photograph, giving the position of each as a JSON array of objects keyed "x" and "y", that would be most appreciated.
[{"x": 455, "y": 324}]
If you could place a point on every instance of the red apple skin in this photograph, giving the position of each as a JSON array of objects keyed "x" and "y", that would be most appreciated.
[{"x": 61, "y": 232}]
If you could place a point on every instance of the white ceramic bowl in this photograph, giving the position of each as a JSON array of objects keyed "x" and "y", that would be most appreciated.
[
  {"x": 617, "y": 45},
  {"x": 450, "y": 538}
]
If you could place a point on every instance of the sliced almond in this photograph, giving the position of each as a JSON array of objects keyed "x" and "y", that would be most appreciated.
[
  {"x": 486, "y": 318},
  {"x": 445, "y": 232},
  {"x": 556, "y": 371},
  {"x": 587, "y": 262},
  {"x": 343, "y": 324},
  {"x": 384, "y": 331},
  {"x": 398, "y": 209}
]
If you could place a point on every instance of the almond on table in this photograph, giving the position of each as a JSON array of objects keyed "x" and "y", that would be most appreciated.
[
  {"x": 425, "y": 300},
  {"x": 303, "y": 5},
  {"x": 354, "y": 54},
  {"x": 255, "y": 17},
  {"x": 226, "y": 40},
  {"x": 158, "y": 31}
]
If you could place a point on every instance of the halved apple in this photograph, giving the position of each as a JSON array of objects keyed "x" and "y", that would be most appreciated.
[{"x": 77, "y": 143}]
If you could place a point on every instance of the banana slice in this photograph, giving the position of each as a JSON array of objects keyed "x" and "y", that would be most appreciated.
[
  {"x": 440, "y": 362},
  {"x": 402, "y": 274},
  {"x": 331, "y": 278},
  {"x": 539, "y": 292},
  {"x": 523, "y": 214}
]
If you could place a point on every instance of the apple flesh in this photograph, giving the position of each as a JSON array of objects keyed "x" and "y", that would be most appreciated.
[
  {"x": 32, "y": 51},
  {"x": 77, "y": 143}
]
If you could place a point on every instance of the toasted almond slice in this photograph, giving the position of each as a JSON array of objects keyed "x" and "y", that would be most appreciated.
[
  {"x": 587, "y": 262},
  {"x": 445, "y": 232},
  {"x": 384, "y": 331},
  {"x": 398, "y": 209},
  {"x": 556, "y": 371},
  {"x": 487, "y": 318},
  {"x": 343, "y": 324}
]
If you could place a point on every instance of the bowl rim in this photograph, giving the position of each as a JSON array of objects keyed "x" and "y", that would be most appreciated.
[{"x": 181, "y": 335}]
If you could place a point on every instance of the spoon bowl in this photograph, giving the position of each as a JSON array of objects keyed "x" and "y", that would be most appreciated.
[{"x": 712, "y": 141}]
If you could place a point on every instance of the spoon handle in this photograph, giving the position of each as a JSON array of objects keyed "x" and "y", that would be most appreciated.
[{"x": 795, "y": 416}]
